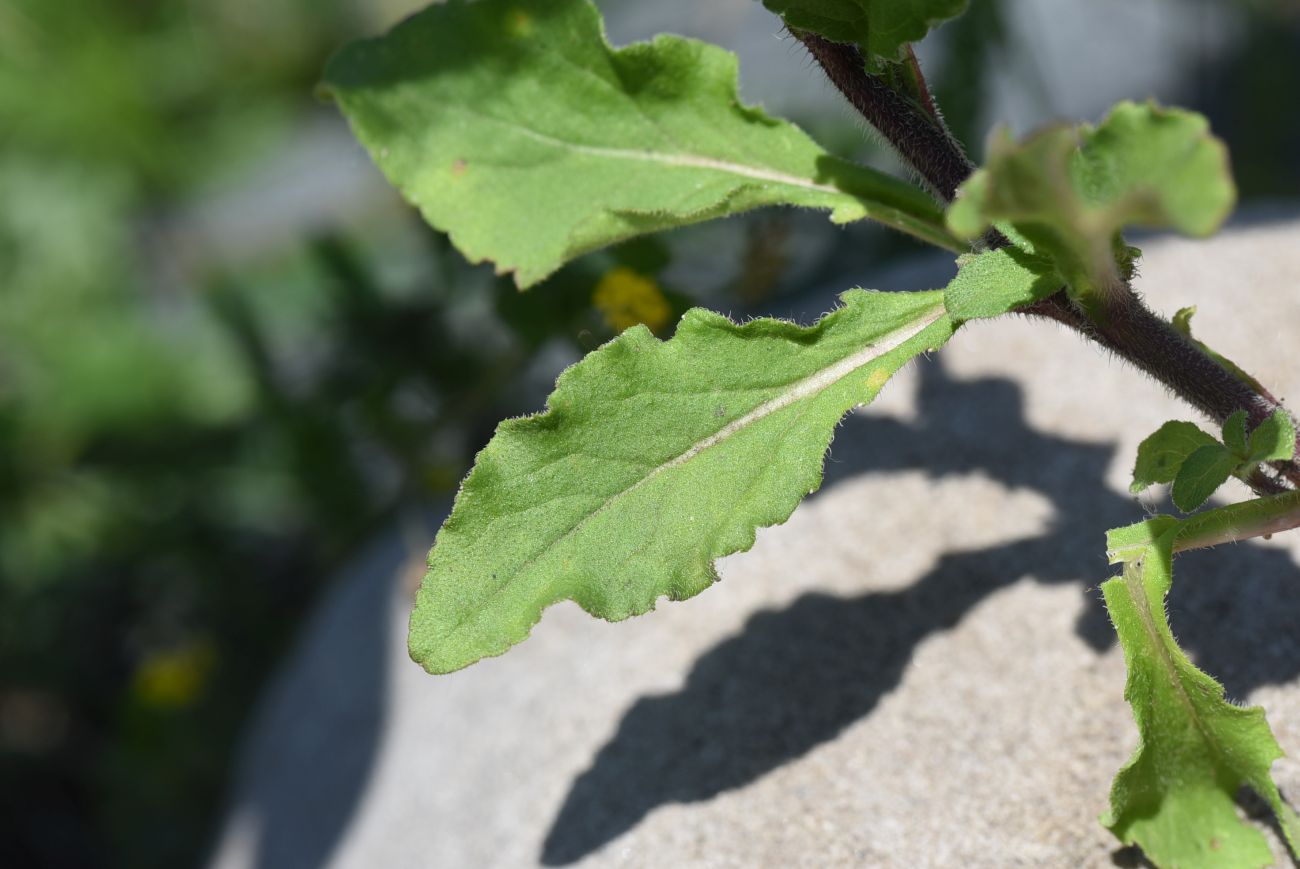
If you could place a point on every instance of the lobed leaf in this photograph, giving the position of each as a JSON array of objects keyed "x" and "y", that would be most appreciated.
[
  {"x": 881, "y": 27},
  {"x": 1161, "y": 455},
  {"x": 518, "y": 130},
  {"x": 1071, "y": 190},
  {"x": 652, "y": 460},
  {"x": 1174, "y": 797}
]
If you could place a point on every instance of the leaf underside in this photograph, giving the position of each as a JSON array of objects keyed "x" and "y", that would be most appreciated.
[
  {"x": 882, "y": 27},
  {"x": 1175, "y": 796},
  {"x": 652, "y": 460},
  {"x": 1070, "y": 191},
  {"x": 518, "y": 130},
  {"x": 991, "y": 283}
]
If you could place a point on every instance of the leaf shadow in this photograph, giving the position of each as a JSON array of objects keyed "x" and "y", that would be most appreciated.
[{"x": 794, "y": 678}]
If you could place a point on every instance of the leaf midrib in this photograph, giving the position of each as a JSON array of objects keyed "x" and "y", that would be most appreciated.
[
  {"x": 809, "y": 386},
  {"x": 1137, "y": 589},
  {"x": 676, "y": 159}
]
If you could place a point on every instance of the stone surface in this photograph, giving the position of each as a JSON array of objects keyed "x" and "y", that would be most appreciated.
[{"x": 915, "y": 671}]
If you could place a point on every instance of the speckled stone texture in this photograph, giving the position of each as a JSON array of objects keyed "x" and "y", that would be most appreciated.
[{"x": 915, "y": 671}]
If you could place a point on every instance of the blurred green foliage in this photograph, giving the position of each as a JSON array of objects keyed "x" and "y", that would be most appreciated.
[{"x": 183, "y": 460}]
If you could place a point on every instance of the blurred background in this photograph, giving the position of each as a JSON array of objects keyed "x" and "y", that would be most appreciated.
[{"x": 230, "y": 355}]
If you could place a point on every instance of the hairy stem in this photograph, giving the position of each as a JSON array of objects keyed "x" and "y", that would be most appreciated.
[
  {"x": 919, "y": 138},
  {"x": 1262, "y": 518},
  {"x": 922, "y": 87},
  {"x": 1130, "y": 330}
]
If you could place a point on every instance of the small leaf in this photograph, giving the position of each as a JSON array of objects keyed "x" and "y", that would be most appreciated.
[
  {"x": 882, "y": 27},
  {"x": 516, "y": 128},
  {"x": 994, "y": 282},
  {"x": 1234, "y": 433},
  {"x": 1161, "y": 455},
  {"x": 1204, "y": 471},
  {"x": 1273, "y": 439},
  {"x": 1070, "y": 191},
  {"x": 1182, "y": 322},
  {"x": 652, "y": 460},
  {"x": 1174, "y": 797}
]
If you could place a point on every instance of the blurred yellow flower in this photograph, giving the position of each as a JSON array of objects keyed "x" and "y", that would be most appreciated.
[
  {"x": 627, "y": 298},
  {"x": 175, "y": 677}
]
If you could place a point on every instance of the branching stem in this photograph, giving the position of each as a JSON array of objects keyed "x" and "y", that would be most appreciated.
[{"x": 1130, "y": 329}]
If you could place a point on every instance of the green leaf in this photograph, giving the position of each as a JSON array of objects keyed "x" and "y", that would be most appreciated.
[
  {"x": 1273, "y": 439},
  {"x": 1174, "y": 797},
  {"x": 653, "y": 459},
  {"x": 1234, "y": 433},
  {"x": 1161, "y": 455},
  {"x": 1071, "y": 190},
  {"x": 516, "y": 128},
  {"x": 994, "y": 282},
  {"x": 882, "y": 27},
  {"x": 1182, "y": 320},
  {"x": 1203, "y": 472}
]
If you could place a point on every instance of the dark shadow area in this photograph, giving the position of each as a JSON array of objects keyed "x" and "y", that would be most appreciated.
[
  {"x": 1130, "y": 857},
  {"x": 301, "y": 782},
  {"x": 794, "y": 678}
]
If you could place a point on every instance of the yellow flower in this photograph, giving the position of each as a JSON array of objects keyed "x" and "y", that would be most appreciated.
[
  {"x": 627, "y": 298},
  {"x": 174, "y": 678}
]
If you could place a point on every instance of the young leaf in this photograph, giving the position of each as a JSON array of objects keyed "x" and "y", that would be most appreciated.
[
  {"x": 1273, "y": 439},
  {"x": 994, "y": 282},
  {"x": 882, "y": 27},
  {"x": 652, "y": 460},
  {"x": 1204, "y": 471},
  {"x": 1070, "y": 191},
  {"x": 517, "y": 129},
  {"x": 1161, "y": 455},
  {"x": 1174, "y": 797},
  {"x": 1182, "y": 322},
  {"x": 1234, "y": 433}
]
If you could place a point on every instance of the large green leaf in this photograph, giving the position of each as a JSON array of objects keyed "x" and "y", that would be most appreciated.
[
  {"x": 882, "y": 27},
  {"x": 516, "y": 128},
  {"x": 1175, "y": 796},
  {"x": 1071, "y": 190},
  {"x": 653, "y": 459}
]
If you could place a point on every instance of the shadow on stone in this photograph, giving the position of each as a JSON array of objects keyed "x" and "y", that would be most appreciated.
[
  {"x": 794, "y": 678},
  {"x": 302, "y": 783}
]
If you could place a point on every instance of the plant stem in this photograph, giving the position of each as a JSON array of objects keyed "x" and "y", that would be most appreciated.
[
  {"x": 1260, "y": 518},
  {"x": 920, "y": 139},
  {"x": 922, "y": 87},
  {"x": 1130, "y": 330}
]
